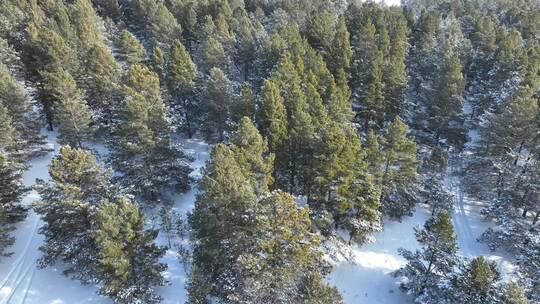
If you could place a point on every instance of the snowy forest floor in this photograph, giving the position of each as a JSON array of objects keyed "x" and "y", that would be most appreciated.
[{"x": 362, "y": 274}]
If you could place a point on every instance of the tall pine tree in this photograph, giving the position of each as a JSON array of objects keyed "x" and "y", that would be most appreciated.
[
  {"x": 127, "y": 257},
  {"x": 68, "y": 208},
  {"x": 141, "y": 146}
]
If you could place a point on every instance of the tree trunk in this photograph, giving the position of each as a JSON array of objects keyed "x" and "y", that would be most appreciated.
[
  {"x": 536, "y": 217},
  {"x": 524, "y": 214}
]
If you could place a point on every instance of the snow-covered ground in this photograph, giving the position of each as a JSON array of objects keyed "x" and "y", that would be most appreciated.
[
  {"x": 175, "y": 293},
  {"x": 362, "y": 277},
  {"x": 22, "y": 282}
]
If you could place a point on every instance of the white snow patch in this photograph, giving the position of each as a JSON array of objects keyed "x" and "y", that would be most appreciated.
[{"x": 365, "y": 277}]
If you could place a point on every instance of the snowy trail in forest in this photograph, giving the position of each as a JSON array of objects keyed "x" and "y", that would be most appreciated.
[
  {"x": 176, "y": 274},
  {"x": 20, "y": 279},
  {"x": 469, "y": 225}
]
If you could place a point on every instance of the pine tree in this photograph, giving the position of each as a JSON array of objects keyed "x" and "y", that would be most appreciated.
[
  {"x": 222, "y": 214},
  {"x": 213, "y": 55},
  {"x": 166, "y": 223},
  {"x": 245, "y": 45},
  {"x": 282, "y": 266},
  {"x": 130, "y": 50},
  {"x": 444, "y": 110},
  {"x": 181, "y": 75},
  {"x": 86, "y": 24},
  {"x": 398, "y": 175},
  {"x": 505, "y": 137},
  {"x": 19, "y": 124},
  {"x": 433, "y": 170},
  {"x": 394, "y": 70},
  {"x": 273, "y": 121},
  {"x": 373, "y": 100},
  {"x": 301, "y": 133},
  {"x": 101, "y": 83},
  {"x": 421, "y": 65},
  {"x": 341, "y": 185},
  {"x": 427, "y": 269},
  {"x": 109, "y": 8},
  {"x": 254, "y": 257},
  {"x": 477, "y": 283},
  {"x": 7, "y": 132},
  {"x": 68, "y": 207},
  {"x": 157, "y": 61},
  {"x": 47, "y": 52},
  {"x": 141, "y": 145},
  {"x": 217, "y": 99},
  {"x": 72, "y": 114},
  {"x": 513, "y": 294},
  {"x": 6, "y": 239},
  {"x": 162, "y": 26},
  {"x": 244, "y": 104},
  {"x": 11, "y": 209},
  {"x": 128, "y": 259},
  {"x": 251, "y": 153},
  {"x": 340, "y": 55}
]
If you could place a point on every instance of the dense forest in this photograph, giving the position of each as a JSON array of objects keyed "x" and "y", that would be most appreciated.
[{"x": 324, "y": 117}]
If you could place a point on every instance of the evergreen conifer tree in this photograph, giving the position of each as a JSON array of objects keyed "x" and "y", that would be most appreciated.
[
  {"x": 513, "y": 294},
  {"x": 7, "y": 133},
  {"x": 141, "y": 146},
  {"x": 444, "y": 110},
  {"x": 128, "y": 260},
  {"x": 398, "y": 175},
  {"x": 243, "y": 105},
  {"x": 213, "y": 55},
  {"x": 282, "y": 266},
  {"x": 224, "y": 206},
  {"x": 101, "y": 83},
  {"x": 217, "y": 99},
  {"x": 157, "y": 61},
  {"x": 273, "y": 122},
  {"x": 251, "y": 153},
  {"x": 246, "y": 262},
  {"x": 477, "y": 283},
  {"x": 68, "y": 207},
  {"x": 373, "y": 101},
  {"x": 72, "y": 114},
  {"x": 11, "y": 210},
  {"x": 130, "y": 50},
  {"x": 19, "y": 124},
  {"x": 427, "y": 268},
  {"x": 162, "y": 26},
  {"x": 181, "y": 75}
]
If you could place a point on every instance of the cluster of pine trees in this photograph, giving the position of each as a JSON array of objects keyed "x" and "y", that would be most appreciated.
[{"x": 325, "y": 115}]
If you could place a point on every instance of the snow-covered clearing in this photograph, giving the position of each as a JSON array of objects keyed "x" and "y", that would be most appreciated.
[
  {"x": 362, "y": 277},
  {"x": 365, "y": 275}
]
